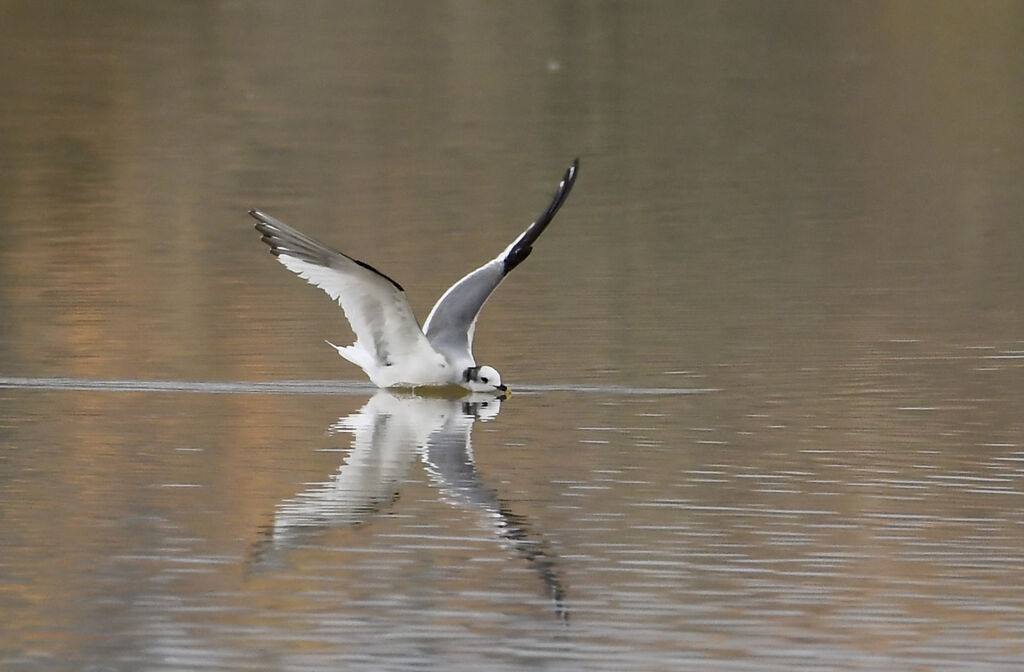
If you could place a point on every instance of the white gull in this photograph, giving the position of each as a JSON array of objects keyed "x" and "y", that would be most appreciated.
[{"x": 390, "y": 347}]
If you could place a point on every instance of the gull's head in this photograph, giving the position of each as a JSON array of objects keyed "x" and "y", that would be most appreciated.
[{"x": 483, "y": 379}]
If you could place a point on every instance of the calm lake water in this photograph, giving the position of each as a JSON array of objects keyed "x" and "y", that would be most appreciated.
[{"x": 767, "y": 363}]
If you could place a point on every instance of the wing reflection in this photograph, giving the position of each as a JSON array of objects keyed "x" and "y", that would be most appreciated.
[
  {"x": 449, "y": 460},
  {"x": 390, "y": 431},
  {"x": 387, "y": 433}
]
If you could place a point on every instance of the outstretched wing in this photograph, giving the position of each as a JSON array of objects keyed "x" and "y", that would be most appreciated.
[
  {"x": 375, "y": 305},
  {"x": 451, "y": 323}
]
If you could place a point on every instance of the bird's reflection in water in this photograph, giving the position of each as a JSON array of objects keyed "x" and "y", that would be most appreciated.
[{"x": 390, "y": 432}]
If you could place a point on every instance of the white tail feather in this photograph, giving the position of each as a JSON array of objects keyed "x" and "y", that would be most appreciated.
[{"x": 355, "y": 354}]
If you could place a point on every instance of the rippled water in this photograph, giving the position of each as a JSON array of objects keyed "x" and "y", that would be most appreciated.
[
  {"x": 767, "y": 364},
  {"x": 740, "y": 528}
]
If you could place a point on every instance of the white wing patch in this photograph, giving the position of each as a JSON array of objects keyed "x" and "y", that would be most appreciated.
[
  {"x": 325, "y": 278},
  {"x": 380, "y": 316}
]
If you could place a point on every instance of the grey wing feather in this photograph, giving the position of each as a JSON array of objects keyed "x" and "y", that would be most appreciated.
[
  {"x": 289, "y": 241},
  {"x": 376, "y": 306},
  {"x": 451, "y": 323}
]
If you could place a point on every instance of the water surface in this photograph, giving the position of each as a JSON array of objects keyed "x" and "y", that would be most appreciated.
[{"x": 767, "y": 362}]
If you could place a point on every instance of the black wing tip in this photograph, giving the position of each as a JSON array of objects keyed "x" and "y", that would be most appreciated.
[
  {"x": 569, "y": 178},
  {"x": 570, "y": 175},
  {"x": 265, "y": 224},
  {"x": 520, "y": 252},
  {"x": 564, "y": 187},
  {"x": 284, "y": 241}
]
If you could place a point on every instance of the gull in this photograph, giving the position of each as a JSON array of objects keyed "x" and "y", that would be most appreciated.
[
  {"x": 390, "y": 346},
  {"x": 389, "y": 433}
]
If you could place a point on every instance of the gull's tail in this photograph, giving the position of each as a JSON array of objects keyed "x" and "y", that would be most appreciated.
[{"x": 355, "y": 354}]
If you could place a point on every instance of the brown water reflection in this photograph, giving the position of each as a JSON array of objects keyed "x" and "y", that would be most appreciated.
[
  {"x": 808, "y": 212},
  {"x": 692, "y": 530},
  {"x": 389, "y": 433}
]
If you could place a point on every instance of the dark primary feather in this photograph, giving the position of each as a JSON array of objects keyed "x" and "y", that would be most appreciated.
[
  {"x": 524, "y": 245},
  {"x": 283, "y": 239},
  {"x": 449, "y": 325}
]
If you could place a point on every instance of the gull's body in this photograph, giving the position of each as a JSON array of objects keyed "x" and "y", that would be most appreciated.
[{"x": 390, "y": 347}]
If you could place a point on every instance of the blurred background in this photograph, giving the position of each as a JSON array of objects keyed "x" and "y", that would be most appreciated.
[
  {"x": 793, "y": 176},
  {"x": 812, "y": 209}
]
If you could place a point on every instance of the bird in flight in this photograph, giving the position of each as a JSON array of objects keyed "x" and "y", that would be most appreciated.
[{"x": 390, "y": 347}]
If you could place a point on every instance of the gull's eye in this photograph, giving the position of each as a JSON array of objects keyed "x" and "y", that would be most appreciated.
[{"x": 484, "y": 379}]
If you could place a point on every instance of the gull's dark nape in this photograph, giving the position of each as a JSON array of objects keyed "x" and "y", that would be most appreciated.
[
  {"x": 524, "y": 245},
  {"x": 284, "y": 240}
]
